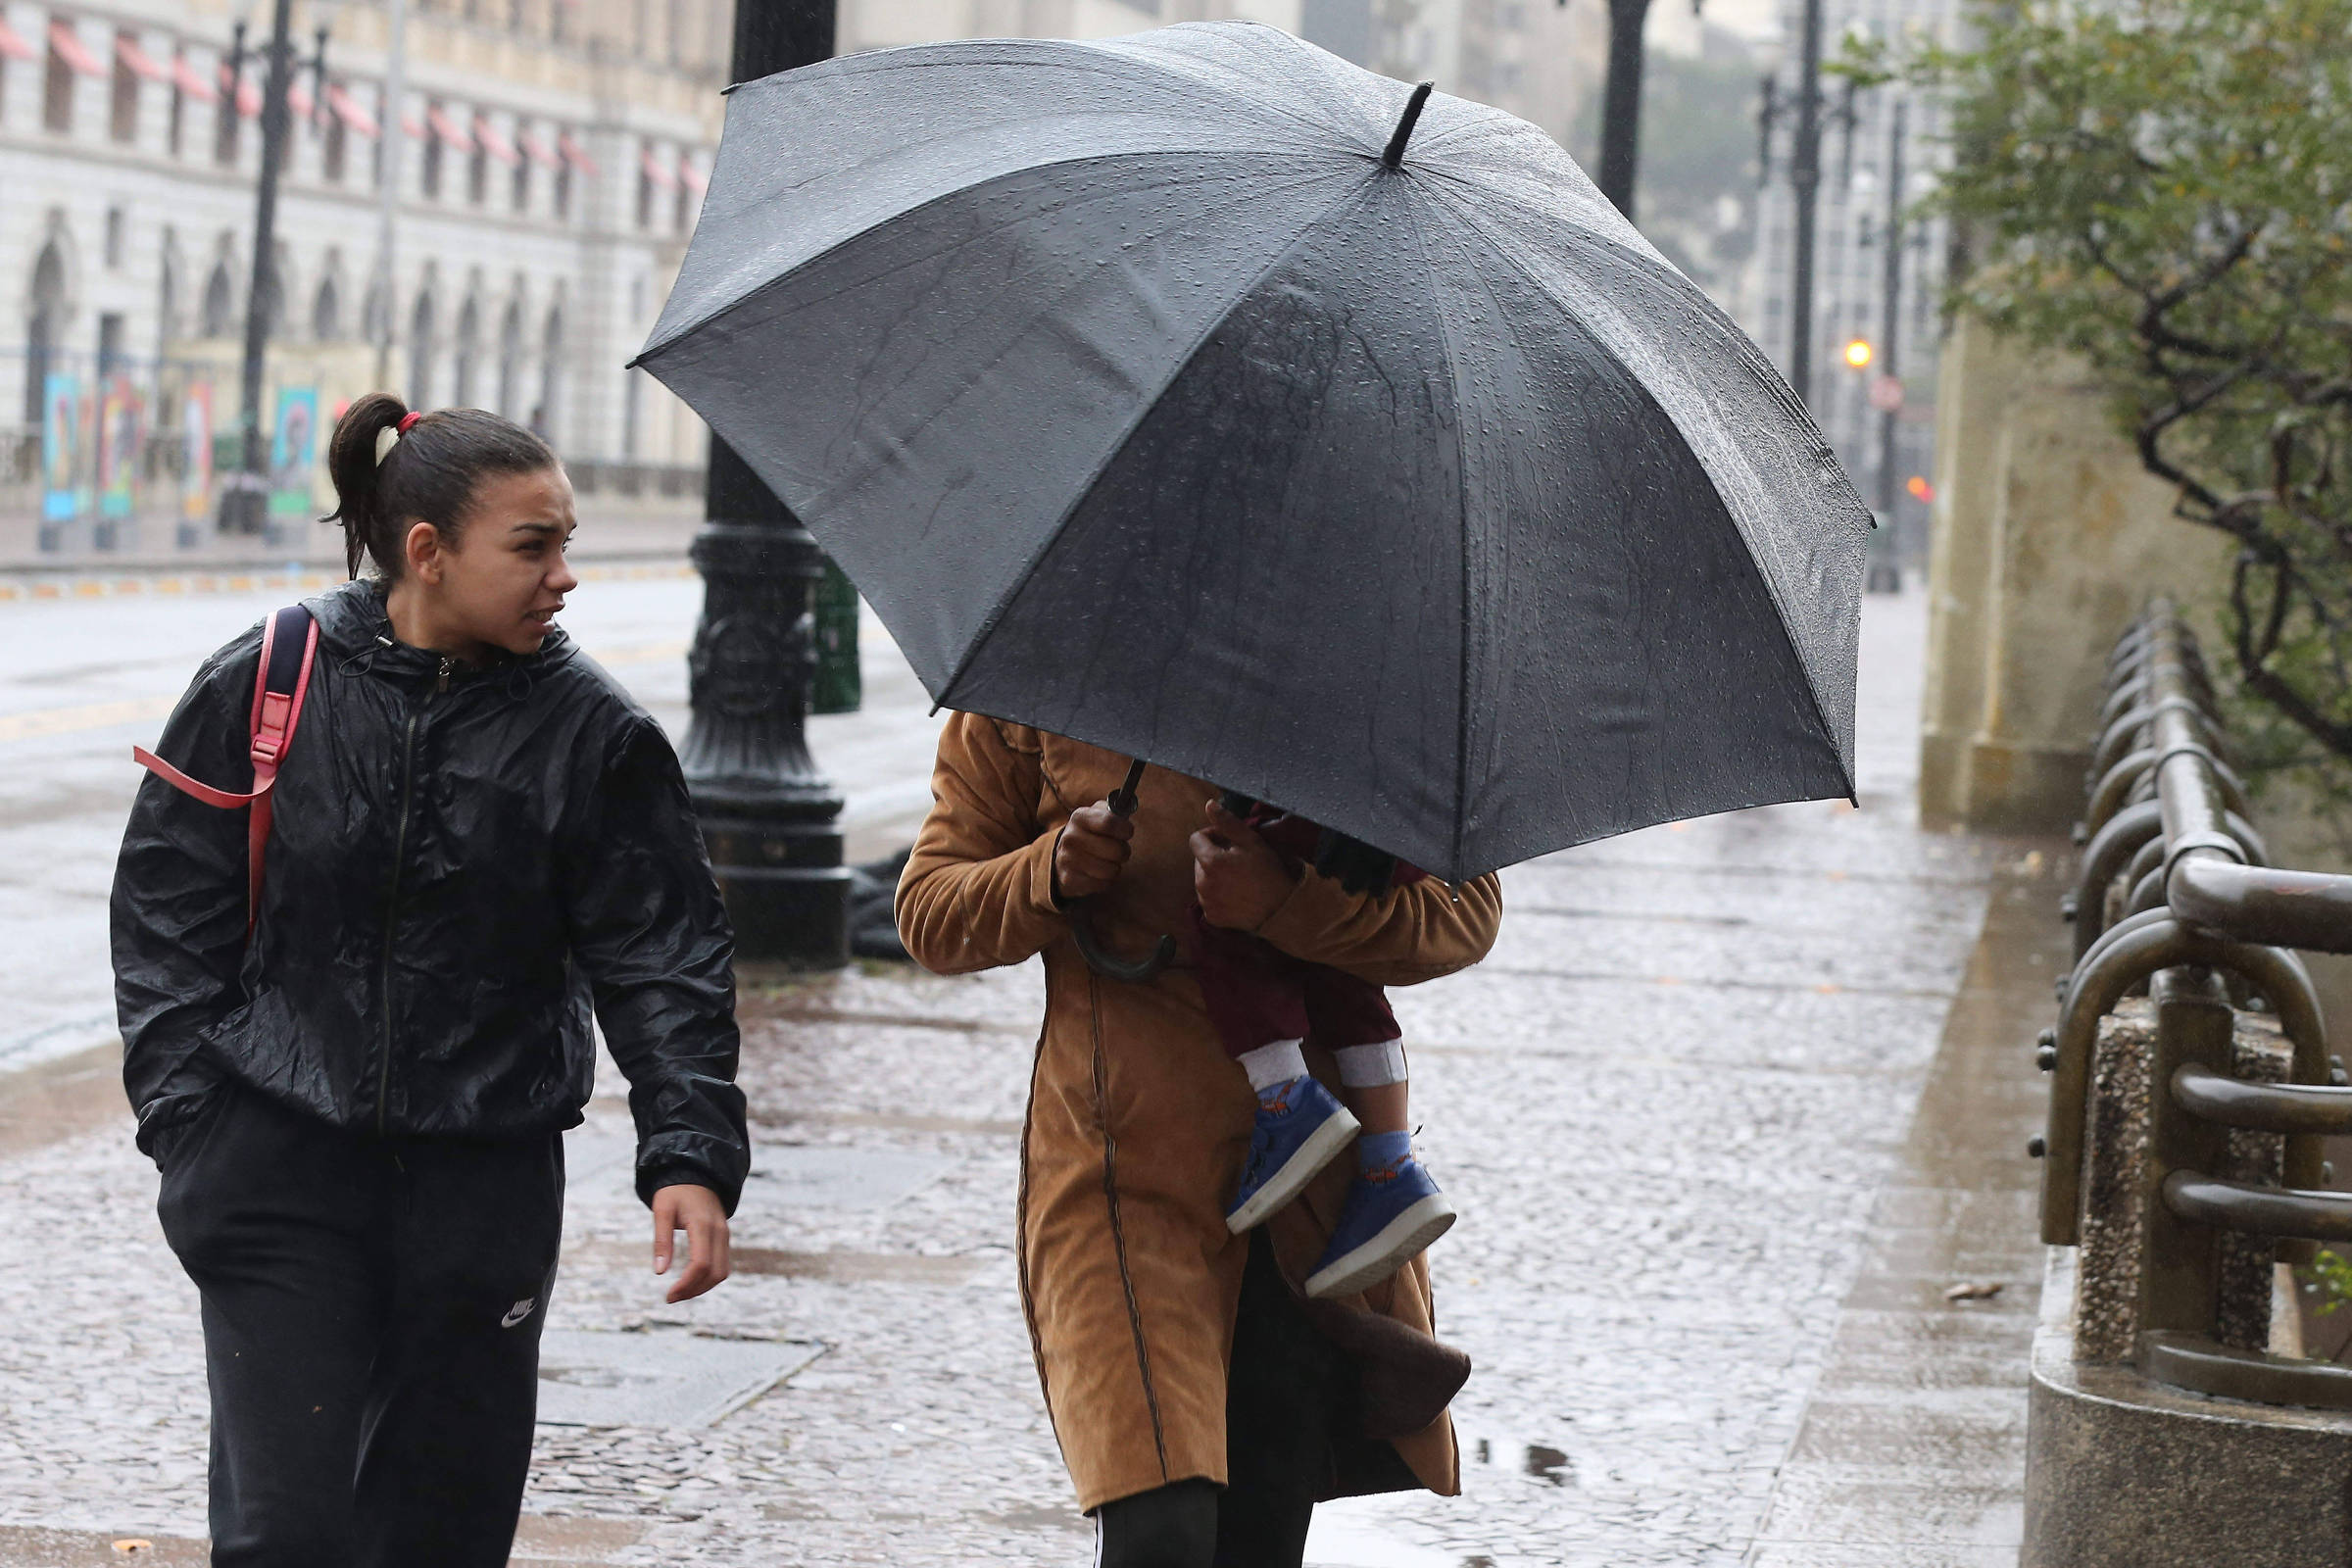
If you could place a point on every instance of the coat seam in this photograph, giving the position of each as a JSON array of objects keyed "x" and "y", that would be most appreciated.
[
  {"x": 1037, "y": 1347},
  {"x": 1118, "y": 1232}
]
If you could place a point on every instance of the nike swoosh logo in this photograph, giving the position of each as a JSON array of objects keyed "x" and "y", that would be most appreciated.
[{"x": 517, "y": 1312}]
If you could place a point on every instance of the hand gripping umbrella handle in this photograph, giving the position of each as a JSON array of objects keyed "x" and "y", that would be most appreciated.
[{"x": 1135, "y": 972}]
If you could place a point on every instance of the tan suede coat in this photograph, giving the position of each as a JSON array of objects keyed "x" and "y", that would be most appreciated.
[{"x": 1137, "y": 1121}]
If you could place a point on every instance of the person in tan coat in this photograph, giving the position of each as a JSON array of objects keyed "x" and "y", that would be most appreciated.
[{"x": 1139, "y": 1299}]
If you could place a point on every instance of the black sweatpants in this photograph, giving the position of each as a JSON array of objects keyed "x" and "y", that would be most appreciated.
[
  {"x": 1290, "y": 1403},
  {"x": 371, "y": 1317}
]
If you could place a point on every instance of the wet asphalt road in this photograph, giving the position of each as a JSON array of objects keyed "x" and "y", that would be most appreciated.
[{"x": 1664, "y": 1107}]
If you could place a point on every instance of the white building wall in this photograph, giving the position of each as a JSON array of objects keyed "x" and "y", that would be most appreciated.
[{"x": 605, "y": 270}]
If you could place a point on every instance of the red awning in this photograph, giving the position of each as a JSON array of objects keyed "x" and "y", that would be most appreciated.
[
  {"x": 694, "y": 178},
  {"x": 189, "y": 80},
  {"x": 249, "y": 93},
  {"x": 14, "y": 47},
  {"x": 449, "y": 130},
  {"x": 575, "y": 155},
  {"x": 537, "y": 151},
  {"x": 657, "y": 170},
  {"x": 127, "y": 50},
  {"x": 298, "y": 100},
  {"x": 348, "y": 111},
  {"x": 494, "y": 144},
  {"x": 67, "y": 45}
]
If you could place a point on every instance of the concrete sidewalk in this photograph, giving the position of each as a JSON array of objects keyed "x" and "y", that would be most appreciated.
[{"x": 1708, "y": 1220}]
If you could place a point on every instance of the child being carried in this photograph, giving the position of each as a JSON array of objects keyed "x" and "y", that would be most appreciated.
[{"x": 1265, "y": 1006}]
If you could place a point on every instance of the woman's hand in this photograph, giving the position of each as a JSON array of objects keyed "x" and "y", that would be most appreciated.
[
  {"x": 1091, "y": 853},
  {"x": 696, "y": 1211},
  {"x": 1237, "y": 876}
]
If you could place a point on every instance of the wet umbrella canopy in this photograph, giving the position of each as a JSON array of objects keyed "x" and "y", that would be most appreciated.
[{"x": 1154, "y": 395}]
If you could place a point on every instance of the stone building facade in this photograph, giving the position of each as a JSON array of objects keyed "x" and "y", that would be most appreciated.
[{"x": 550, "y": 158}]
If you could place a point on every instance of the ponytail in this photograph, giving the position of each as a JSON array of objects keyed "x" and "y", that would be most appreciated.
[{"x": 393, "y": 468}]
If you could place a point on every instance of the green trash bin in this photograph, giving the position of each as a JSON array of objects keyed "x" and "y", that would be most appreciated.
[{"x": 838, "y": 688}]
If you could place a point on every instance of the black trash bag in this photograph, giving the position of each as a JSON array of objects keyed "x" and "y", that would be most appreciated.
[{"x": 873, "y": 916}]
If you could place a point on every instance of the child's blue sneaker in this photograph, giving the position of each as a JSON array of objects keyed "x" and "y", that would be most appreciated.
[
  {"x": 1301, "y": 1127},
  {"x": 1393, "y": 1210}
]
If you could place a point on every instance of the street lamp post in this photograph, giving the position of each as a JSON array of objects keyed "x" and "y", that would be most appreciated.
[
  {"x": 770, "y": 818},
  {"x": 244, "y": 494},
  {"x": 1890, "y": 320},
  {"x": 1804, "y": 181}
]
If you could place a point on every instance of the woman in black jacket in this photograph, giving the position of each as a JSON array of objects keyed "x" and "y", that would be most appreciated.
[{"x": 358, "y": 1105}]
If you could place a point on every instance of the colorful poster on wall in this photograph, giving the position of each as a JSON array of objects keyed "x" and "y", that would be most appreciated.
[
  {"x": 119, "y": 431},
  {"x": 196, "y": 453},
  {"x": 61, "y": 430},
  {"x": 293, "y": 450}
]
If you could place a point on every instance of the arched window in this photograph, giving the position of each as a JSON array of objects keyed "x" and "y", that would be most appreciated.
[
  {"x": 469, "y": 322},
  {"x": 549, "y": 410},
  {"x": 510, "y": 358},
  {"x": 44, "y": 327},
  {"x": 376, "y": 313},
  {"x": 167, "y": 297},
  {"x": 327, "y": 312},
  {"x": 274, "y": 290},
  {"x": 421, "y": 352},
  {"x": 220, "y": 304}
]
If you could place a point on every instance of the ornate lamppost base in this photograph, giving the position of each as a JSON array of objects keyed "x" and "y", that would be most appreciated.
[{"x": 771, "y": 821}]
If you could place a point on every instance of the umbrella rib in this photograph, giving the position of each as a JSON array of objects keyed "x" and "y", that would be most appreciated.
[
  {"x": 1503, "y": 247},
  {"x": 1461, "y": 469},
  {"x": 1145, "y": 406}
]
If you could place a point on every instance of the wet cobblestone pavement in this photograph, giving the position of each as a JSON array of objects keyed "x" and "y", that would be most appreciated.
[{"x": 1673, "y": 1108}]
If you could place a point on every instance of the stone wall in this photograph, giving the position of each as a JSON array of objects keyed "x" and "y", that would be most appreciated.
[{"x": 2047, "y": 537}]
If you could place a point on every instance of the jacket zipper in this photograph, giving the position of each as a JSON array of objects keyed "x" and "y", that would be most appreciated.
[{"x": 399, "y": 847}]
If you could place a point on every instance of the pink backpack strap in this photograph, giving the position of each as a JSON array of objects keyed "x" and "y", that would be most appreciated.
[{"x": 289, "y": 646}]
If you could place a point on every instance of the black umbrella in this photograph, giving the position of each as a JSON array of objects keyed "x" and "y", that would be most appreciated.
[{"x": 1181, "y": 394}]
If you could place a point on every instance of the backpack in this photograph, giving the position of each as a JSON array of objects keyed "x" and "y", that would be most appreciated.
[{"x": 289, "y": 645}]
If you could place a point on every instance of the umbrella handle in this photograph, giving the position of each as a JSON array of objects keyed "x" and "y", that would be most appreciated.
[
  {"x": 1135, "y": 972},
  {"x": 1101, "y": 960}
]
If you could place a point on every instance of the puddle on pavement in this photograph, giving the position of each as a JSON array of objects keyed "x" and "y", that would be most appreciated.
[
  {"x": 1545, "y": 1464},
  {"x": 1350, "y": 1534},
  {"x": 597, "y": 1378}
]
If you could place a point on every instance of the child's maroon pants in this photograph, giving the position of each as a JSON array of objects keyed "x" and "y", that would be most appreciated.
[{"x": 1257, "y": 994}]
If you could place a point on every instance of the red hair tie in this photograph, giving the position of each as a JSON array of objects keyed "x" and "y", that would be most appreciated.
[{"x": 405, "y": 421}]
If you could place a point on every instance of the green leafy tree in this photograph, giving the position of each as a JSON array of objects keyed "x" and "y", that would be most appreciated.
[{"x": 2164, "y": 188}]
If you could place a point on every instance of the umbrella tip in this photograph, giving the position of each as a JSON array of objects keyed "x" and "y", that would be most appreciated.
[{"x": 1393, "y": 157}]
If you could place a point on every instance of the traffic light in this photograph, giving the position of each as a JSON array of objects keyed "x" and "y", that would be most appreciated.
[
  {"x": 1920, "y": 489},
  {"x": 1859, "y": 354}
]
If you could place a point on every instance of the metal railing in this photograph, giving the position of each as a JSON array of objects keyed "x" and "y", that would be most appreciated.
[{"x": 2176, "y": 898}]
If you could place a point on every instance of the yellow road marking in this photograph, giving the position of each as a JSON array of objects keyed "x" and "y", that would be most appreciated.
[{"x": 42, "y": 722}]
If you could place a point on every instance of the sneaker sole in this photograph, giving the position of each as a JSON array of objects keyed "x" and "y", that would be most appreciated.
[
  {"x": 1365, "y": 1266},
  {"x": 1325, "y": 1145}
]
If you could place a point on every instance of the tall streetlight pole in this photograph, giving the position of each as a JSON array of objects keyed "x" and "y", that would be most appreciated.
[
  {"x": 1804, "y": 179},
  {"x": 771, "y": 820},
  {"x": 244, "y": 496},
  {"x": 1890, "y": 320},
  {"x": 1621, "y": 104}
]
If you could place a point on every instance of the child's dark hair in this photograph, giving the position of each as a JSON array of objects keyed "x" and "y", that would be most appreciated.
[{"x": 428, "y": 474}]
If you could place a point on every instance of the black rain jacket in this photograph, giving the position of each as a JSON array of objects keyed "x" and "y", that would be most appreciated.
[{"x": 463, "y": 863}]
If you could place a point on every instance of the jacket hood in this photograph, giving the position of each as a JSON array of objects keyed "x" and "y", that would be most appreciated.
[{"x": 354, "y": 625}]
